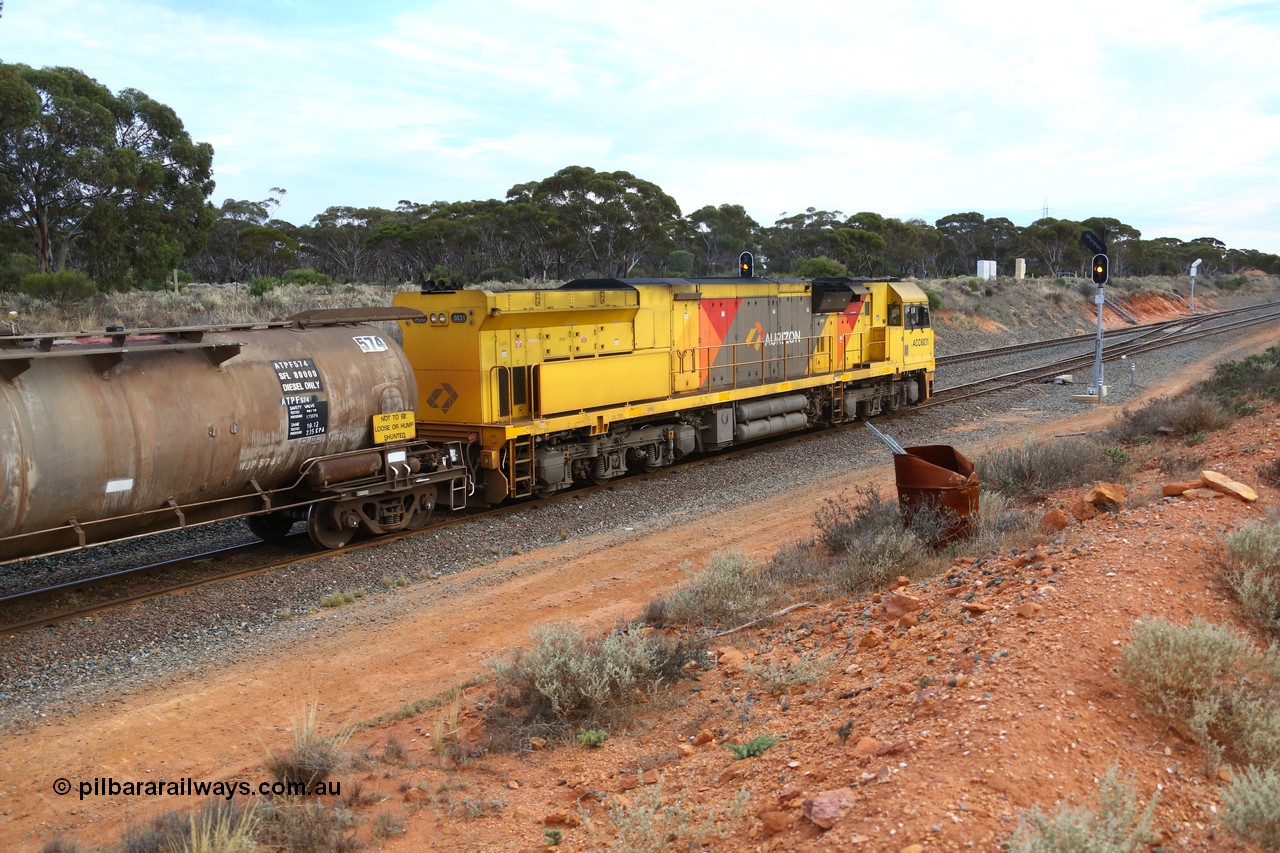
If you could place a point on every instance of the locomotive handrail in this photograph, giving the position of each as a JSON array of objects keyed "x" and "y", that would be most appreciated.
[{"x": 813, "y": 348}]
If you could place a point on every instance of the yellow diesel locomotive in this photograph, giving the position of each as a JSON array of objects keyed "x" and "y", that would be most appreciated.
[{"x": 600, "y": 376}]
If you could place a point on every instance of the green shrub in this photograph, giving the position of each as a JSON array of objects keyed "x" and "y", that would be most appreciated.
[
  {"x": 592, "y": 738},
  {"x": 935, "y": 299},
  {"x": 871, "y": 544},
  {"x": 730, "y": 590},
  {"x": 1035, "y": 469},
  {"x": 754, "y": 748},
  {"x": 13, "y": 268},
  {"x": 649, "y": 824},
  {"x": 1211, "y": 683},
  {"x": 1235, "y": 383},
  {"x": 566, "y": 676},
  {"x": 819, "y": 267},
  {"x": 63, "y": 287},
  {"x": 1117, "y": 826},
  {"x": 306, "y": 277},
  {"x": 1251, "y": 807},
  {"x": 807, "y": 670},
  {"x": 263, "y": 284},
  {"x": 847, "y": 525},
  {"x": 1251, "y": 567}
]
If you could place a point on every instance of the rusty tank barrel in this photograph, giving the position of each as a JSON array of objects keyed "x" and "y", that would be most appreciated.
[
  {"x": 940, "y": 477},
  {"x": 131, "y": 423}
]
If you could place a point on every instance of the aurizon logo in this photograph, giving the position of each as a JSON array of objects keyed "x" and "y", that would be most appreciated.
[{"x": 758, "y": 338}]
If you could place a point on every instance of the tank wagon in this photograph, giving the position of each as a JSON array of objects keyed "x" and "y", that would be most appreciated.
[
  {"x": 135, "y": 432},
  {"x": 548, "y": 388}
]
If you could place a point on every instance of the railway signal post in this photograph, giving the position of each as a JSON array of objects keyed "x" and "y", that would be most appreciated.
[{"x": 1100, "y": 274}]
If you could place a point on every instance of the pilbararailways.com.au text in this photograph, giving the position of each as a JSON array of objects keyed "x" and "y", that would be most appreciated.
[{"x": 105, "y": 786}]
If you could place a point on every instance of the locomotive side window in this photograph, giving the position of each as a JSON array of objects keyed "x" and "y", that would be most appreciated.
[
  {"x": 894, "y": 314},
  {"x": 917, "y": 316}
]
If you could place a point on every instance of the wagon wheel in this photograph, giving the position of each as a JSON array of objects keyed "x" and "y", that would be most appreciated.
[
  {"x": 419, "y": 511},
  {"x": 270, "y": 527},
  {"x": 325, "y": 529}
]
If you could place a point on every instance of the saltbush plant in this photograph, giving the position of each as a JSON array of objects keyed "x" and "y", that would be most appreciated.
[
  {"x": 1035, "y": 469},
  {"x": 730, "y": 590},
  {"x": 567, "y": 677},
  {"x": 1118, "y": 825},
  {"x": 1177, "y": 417},
  {"x": 654, "y": 823},
  {"x": 1251, "y": 567},
  {"x": 1211, "y": 683},
  {"x": 1251, "y": 807}
]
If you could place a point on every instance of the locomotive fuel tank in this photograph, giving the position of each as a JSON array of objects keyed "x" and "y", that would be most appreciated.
[{"x": 112, "y": 432}]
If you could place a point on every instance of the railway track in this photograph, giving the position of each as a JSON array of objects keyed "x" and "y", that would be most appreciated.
[
  {"x": 62, "y": 602},
  {"x": 1143, "y": 343}
]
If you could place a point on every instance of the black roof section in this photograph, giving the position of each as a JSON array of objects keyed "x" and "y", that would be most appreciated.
[{"x": 623, "y": 283}]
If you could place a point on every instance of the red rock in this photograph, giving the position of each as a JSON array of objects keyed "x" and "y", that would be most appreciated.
[
  {"x": 704, "y": 736},
  {"x": 562, "y": 817},
  {"x": 1083, "y": 510},
  {"x": 1226, "y": 485},
  {"x": 1028, "y": 609},
  {"x": 1171, "y": 490},
  {"x": 1053, "y": 521},
  {"x": 898, "y": 604},
  {"x": 827, "y": 808},
  {"x": 867, "y": 746},
  {"x": 1108, "y": 497},
  {"x": 974, "y": 607},
  {"x": 731, "y": 660},
  {"x": 871, "y": 639},
  {"x": 789, "y": 793},
  {"x": 773, "y": 822},
  {"x": 1201, "y": 494},
  {"x": 650, "y": 776}
]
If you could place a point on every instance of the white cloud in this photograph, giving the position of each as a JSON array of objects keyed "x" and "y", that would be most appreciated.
[{"x": 1168, "y": 109}]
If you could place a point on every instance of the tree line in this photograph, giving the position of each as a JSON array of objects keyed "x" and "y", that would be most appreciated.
[{"x": 109, "y": 189}]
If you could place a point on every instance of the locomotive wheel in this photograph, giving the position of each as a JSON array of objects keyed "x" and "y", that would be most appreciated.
[
  {"x": 271, "y": 527},
  {"x": 325, "y": 530}
]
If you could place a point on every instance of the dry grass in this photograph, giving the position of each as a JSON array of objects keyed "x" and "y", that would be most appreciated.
[{"x": 314, "y": 756}]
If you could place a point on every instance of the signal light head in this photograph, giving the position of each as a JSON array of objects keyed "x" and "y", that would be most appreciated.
[
  {"x": 1101, "y": 269},
  {"x": 746, "y": 265}
]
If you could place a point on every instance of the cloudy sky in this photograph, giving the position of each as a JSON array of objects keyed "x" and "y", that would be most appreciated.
[{"x": 1162, "y": 113}]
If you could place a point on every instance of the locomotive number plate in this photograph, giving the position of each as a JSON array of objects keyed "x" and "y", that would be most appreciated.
[{"x": 396, "y": 426}]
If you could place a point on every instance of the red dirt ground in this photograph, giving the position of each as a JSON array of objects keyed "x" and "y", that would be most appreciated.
[{"x": 950, "y": 728}]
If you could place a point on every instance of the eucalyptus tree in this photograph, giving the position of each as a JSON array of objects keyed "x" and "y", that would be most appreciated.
[
  {"x": 339, "y": 241},
  {"x": 615, "y": 220},
  {"x": 722, "y": 233},
  {"x": 116, "y": 177}
]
